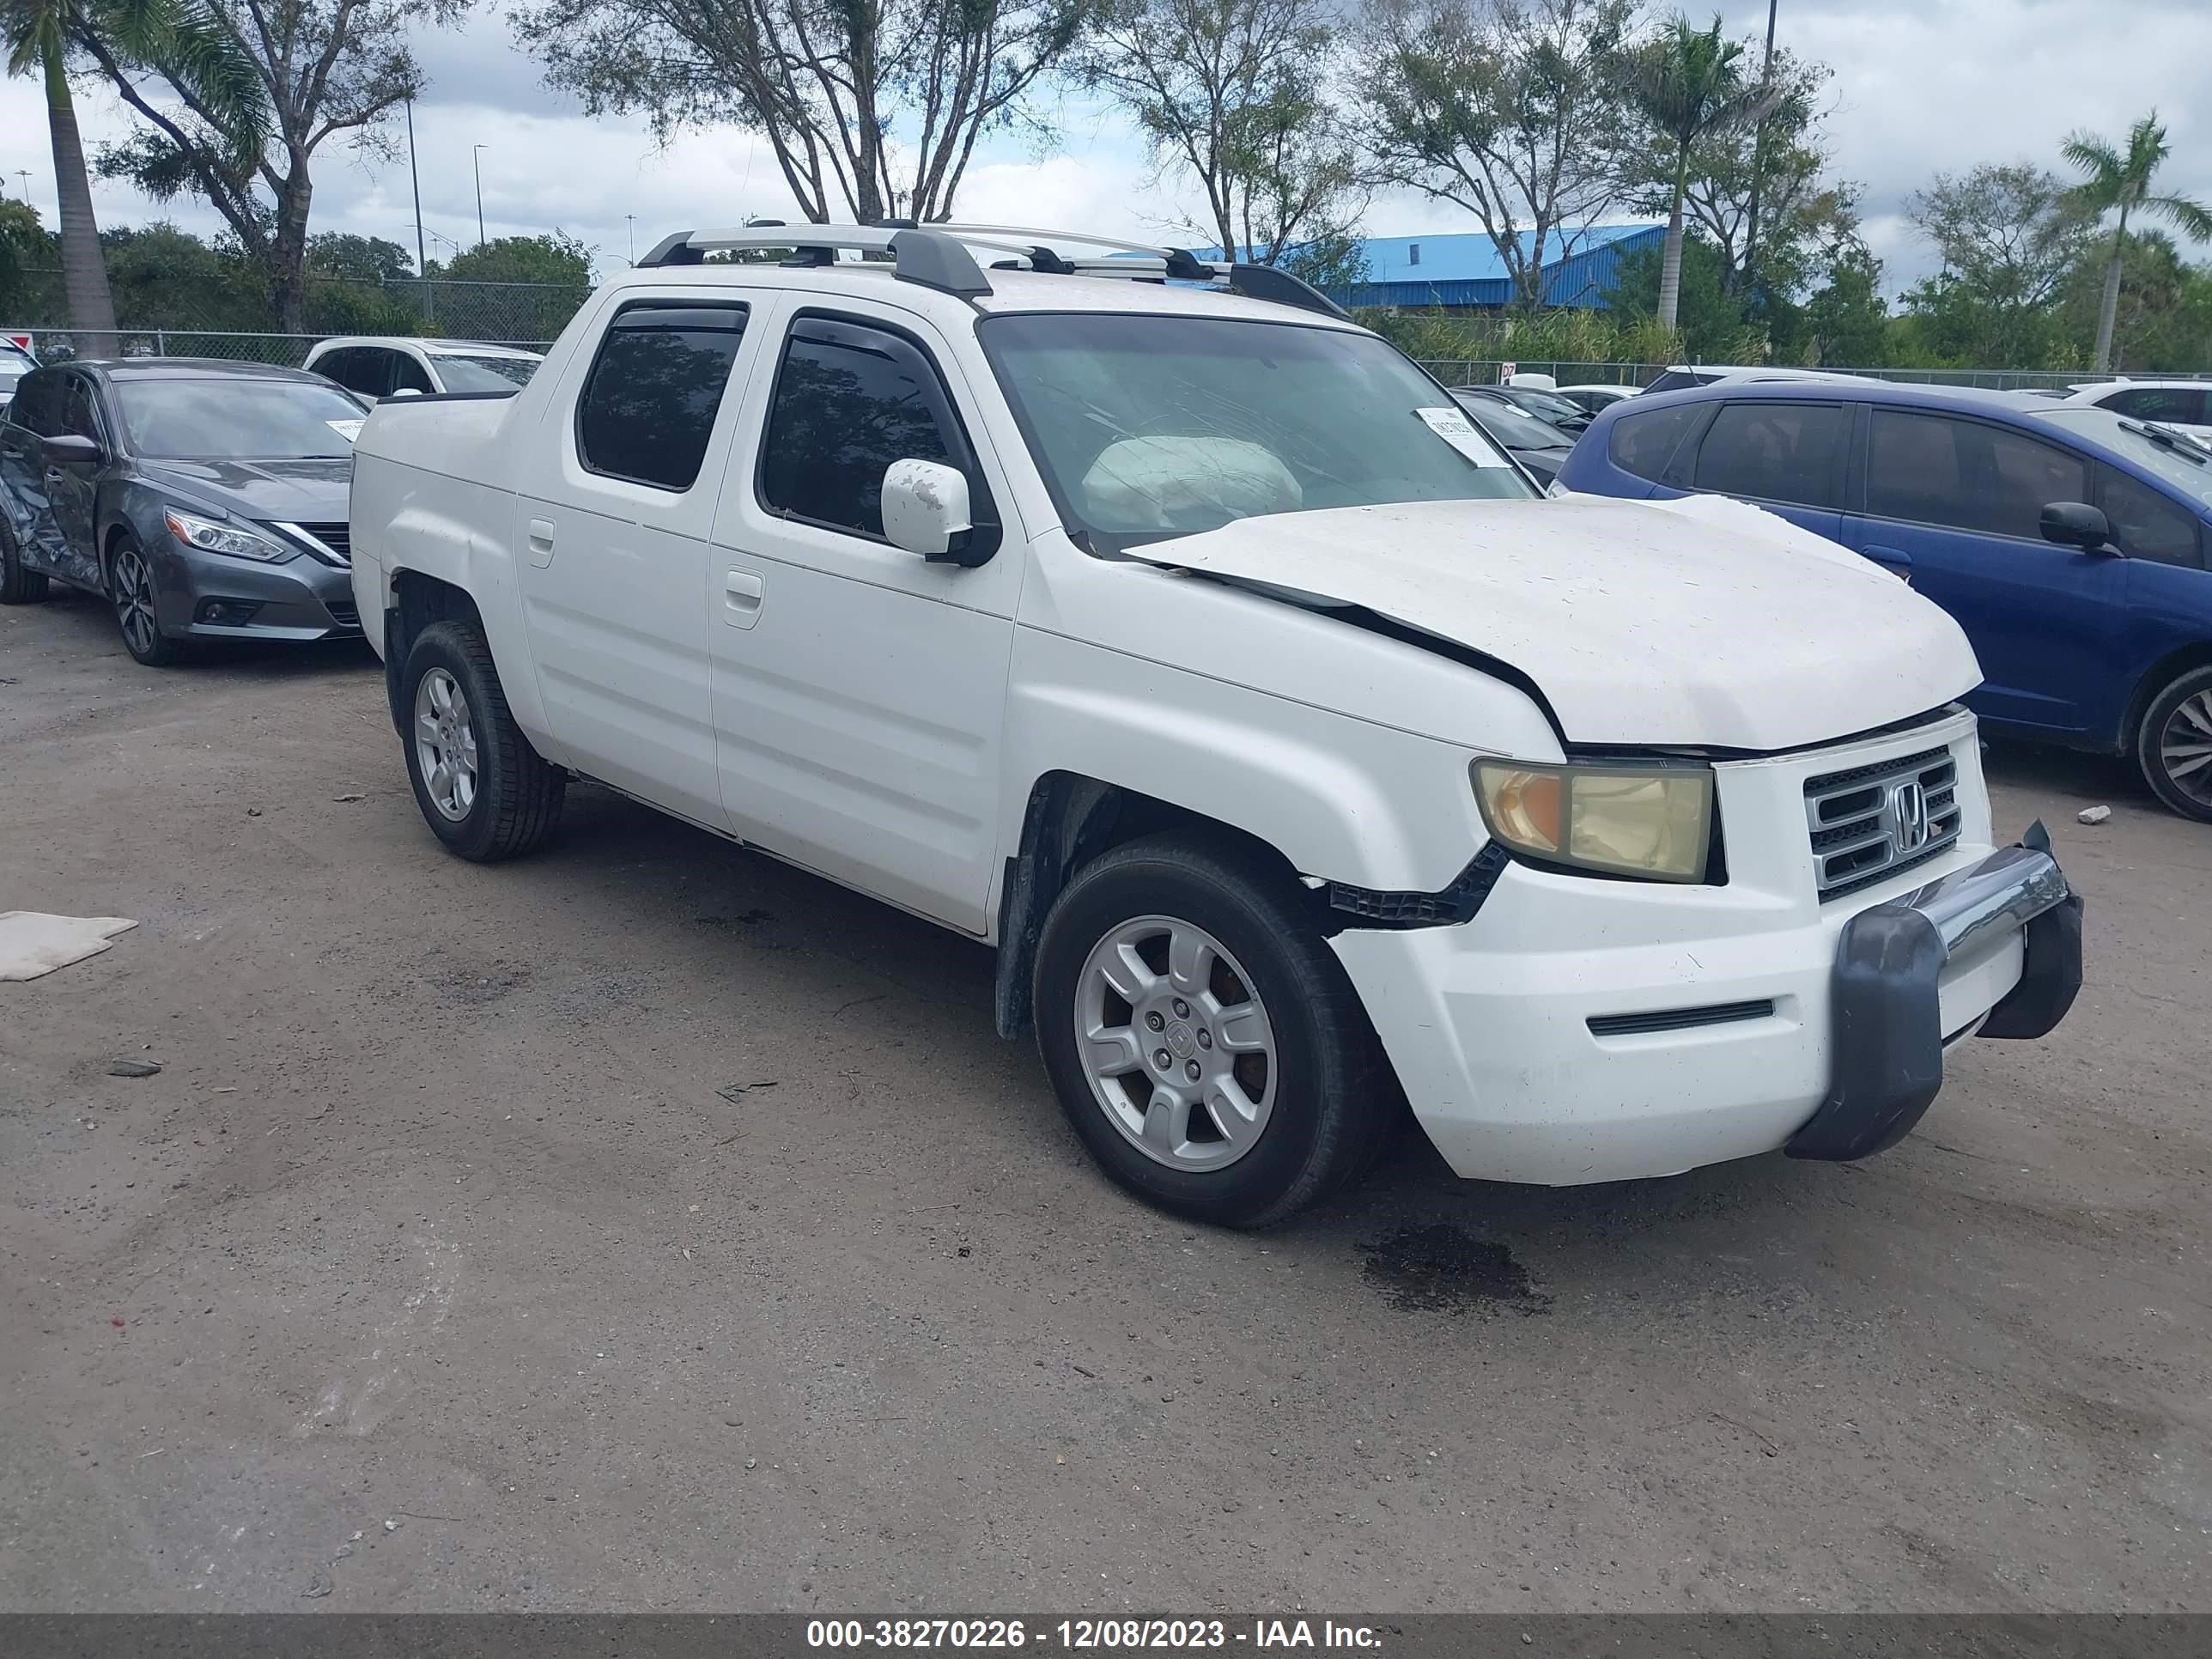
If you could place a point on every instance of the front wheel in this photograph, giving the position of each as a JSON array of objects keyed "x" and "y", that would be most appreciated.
[
  {"x": 130, "y": 590},
  {"x": 2173, "y": 744},
  {"x": 1201, "y": 1036},
  {"x": 482, "y": 788}
]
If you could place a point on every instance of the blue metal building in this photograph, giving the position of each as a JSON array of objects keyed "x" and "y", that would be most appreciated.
[{"x": 1463, "y": 271}]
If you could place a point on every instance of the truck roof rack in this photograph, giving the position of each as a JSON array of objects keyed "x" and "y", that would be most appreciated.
[{"x": 939, "y": 255}]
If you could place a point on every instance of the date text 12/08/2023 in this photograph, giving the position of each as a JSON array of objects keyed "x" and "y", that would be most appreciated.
[{"x": 1083, "y": 1635}]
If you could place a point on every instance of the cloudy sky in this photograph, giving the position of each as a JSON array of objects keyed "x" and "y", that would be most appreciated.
[{"x": 1920, "y": 85}]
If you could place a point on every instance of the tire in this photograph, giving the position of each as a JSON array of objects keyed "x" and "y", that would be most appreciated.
[
  {"x": 482, "y": 788},
  {"x": 1323, "y": 1097},
  {"x": 131, "y": 594},
  {"x": 17, "y": 584},
  {"x": 2173, "y": 744}
]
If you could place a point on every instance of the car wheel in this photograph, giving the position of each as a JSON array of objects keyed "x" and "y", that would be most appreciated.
[
  {"x": 483, "y": 789},
  {"x": 1202, "y": 1038},
  {"x": 130, "y": 590},
  {"x": 2173, "y": 744},
  {"x": 17, "y": 584}
]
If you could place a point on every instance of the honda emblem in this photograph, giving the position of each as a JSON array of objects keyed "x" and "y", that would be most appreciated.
[{"x": 1908, "y": 816}]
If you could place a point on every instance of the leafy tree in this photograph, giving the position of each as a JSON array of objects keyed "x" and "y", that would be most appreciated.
[
  {"x": 43, "y": 35},
  {"x": 24, "y": 247},
  {"x": 872, "y": 105},
  {"x": 2117, "y": 180},
  {"x": 1709, "y": 321},
  {"x": 1847, "y": 319},
  {"x": 358, "y": 258},
  {"x": 1688, "y": 86},
  {"x": 1234, "y": 93},
  {"x": 2162, "y": 316},
  {"x": 1336, "y": 259},
  {"x": 2009, "y": 234},
  {"x": 551, "y": 278},
  {"x": 1505, "y": 108},
  {"x": 326, "y": 69}
]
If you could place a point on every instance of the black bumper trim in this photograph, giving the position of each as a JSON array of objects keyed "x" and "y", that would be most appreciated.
[{"x": 1885, "y": 1012}]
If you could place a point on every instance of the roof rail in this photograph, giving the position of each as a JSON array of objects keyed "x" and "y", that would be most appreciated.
[
  {"x": 938, "y": 256},
  {"x": 926, "y": 257}
]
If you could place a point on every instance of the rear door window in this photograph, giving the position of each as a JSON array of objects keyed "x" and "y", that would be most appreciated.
[
  {"x": 1779, "y": 451},
  {"x": 850, "y": 400},
  {"x": 1932, "y": 469},
  {"x": 2176, "y": 405},
  {"x": 649, "y": 401},
  {"x": 1644, "y": 442}
]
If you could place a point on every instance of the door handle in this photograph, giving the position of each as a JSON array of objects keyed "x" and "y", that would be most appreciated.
[
  {"x": 541, "y": 542},
  {"x": 1894, "y": 559},
  {"x": 741, "y": 599}
]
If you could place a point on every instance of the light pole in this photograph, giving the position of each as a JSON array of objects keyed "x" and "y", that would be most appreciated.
[
  {"x": 632, "y": 217},
  {"x": 421, "y": 255},
  {"x": 475, "y": 159},
  {"x": 24, "y": 173},
  {"x": 1759, "y": 157}
]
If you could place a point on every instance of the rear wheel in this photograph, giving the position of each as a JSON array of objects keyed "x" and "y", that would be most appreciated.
[
  {"x": 130, "y": 590},
  {"x": 17, "y": 584},
  {"x": 1201, "y": 1036},
  {"x": 482, "y": 788},
  {"x": 2173, "y": 744}
]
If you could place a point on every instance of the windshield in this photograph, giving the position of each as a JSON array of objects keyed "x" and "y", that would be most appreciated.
[
  {"x": 1147, "y": 427},
  {"x": 236, "y": 418},
  {"x": 483, "y": 374},
  {"x": 2183, "y": 461},
  {"x": 1547, "y": 407},
  {"x": 1513, "y": 427}
]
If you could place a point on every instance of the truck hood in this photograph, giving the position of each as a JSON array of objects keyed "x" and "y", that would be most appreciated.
[
  {"x": 306, "y": 491},
  {"x": 1700, "y": 623}
]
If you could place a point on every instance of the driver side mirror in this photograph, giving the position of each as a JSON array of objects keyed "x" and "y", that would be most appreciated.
[
  {"x": 68, "y": 449},
  {"x": 925, "y": 509},
  {"x": 405, "y": 391},
  {"x": 2076, "y": 524}
]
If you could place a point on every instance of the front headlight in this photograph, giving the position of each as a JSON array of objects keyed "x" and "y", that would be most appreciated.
[
  {"x": 1652, "y": 821},
  {"x": 235, "y": 540}
]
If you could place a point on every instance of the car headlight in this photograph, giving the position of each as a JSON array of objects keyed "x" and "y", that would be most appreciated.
[
  {"x": 1652, "y": 821},
  {"x": 235, "y": 540}
]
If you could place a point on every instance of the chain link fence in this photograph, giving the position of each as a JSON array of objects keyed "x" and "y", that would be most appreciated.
[
  {"x": 285, "y": 350},
  {"x": 1476, "y": 371}
]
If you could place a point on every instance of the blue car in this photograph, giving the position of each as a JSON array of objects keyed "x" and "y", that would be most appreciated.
[{"x": 2070, "y": 542}]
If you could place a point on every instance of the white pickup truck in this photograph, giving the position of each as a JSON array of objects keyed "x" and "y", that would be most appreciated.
[{"x": 1150, "y": 621}]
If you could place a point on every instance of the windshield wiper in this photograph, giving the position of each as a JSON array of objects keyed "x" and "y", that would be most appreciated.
[{"x": 2179, "y": 443}]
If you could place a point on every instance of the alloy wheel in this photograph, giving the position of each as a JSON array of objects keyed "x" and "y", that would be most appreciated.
[
  {"x": 2185, "y": 747},
  {"x": 134, "y": 601},
  {"x": 1177, "y": 1048},
  {"x": 445, "y": 744}
]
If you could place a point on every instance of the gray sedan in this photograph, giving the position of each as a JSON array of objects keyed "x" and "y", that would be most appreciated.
[{"x": 202, "y": 498}]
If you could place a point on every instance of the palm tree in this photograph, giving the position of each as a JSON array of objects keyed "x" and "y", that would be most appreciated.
[
  {"x": 1689, "y": 85},
  {"x": 2120, "y": 180},
  {"x": 40, "y": 34}
]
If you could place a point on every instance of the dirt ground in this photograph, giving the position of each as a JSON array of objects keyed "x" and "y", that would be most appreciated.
[{"x": 648, "y": 1225}]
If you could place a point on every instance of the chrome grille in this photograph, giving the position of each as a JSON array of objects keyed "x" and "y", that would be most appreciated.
[
  {"x": 1870, "y": 822},
  {"x": 332, "y": 543}
]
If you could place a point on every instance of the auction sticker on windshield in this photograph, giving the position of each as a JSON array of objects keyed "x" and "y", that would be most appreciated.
[
  {"x": 349, "y": 430},
  {"x": 1456, "y": 429}
]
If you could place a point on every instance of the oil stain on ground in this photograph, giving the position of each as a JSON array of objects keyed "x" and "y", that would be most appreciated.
[{"x": 1439, "y": 1268}]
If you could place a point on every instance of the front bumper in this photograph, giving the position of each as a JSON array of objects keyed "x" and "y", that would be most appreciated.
[
  {"x": 1579, "y": 1030},
  {"x": 1887, "y": 1005},
  {"x": 301, "y": 600}
]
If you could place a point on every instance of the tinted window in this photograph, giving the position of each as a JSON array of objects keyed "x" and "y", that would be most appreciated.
[
  {"x": 80, "y": 404},
  {"x": 848, "y": 402},
  {"x": 648, "y": 403},
  {"x": 1776, "y": 452},
  {"x": 235, "y": 417},
  {"x": 37, "y": 404},
  {"x": 1935, "y": 469},
  {"x": 2169, "y": 403},
  {"x": 1643, "y": 443},
  {"x": 356, "y": 368},
  {"x": 407, "y": 375},
  {"x": 2147, "y": 526}
]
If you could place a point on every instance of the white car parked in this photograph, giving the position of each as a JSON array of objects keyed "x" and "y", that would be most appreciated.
[
  {"x": 376, "y": 367},
  {"x": 1192, "y": 649},
  {"x": 2186, "y": 405},
  {"x": 1597, "y": 397}
]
